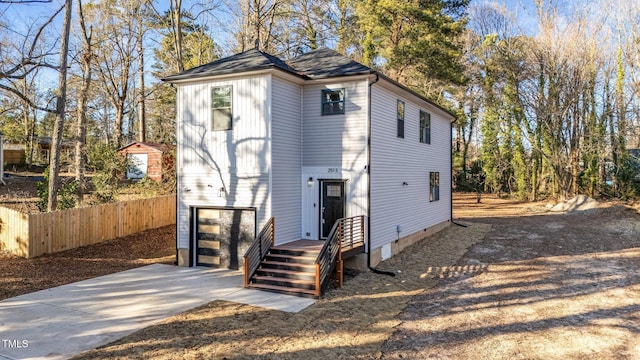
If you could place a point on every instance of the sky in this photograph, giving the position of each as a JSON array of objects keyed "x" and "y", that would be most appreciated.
[
  {"x": 23, "y": 14},
  {"x": 20, "y": 16}
]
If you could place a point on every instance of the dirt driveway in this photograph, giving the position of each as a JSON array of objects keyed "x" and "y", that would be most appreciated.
[
  {"x": 556, "y": 286},
  {"x": 516, "y": 283}
]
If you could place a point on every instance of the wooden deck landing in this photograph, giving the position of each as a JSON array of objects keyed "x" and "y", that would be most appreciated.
[{"x": 316, "y": 245}]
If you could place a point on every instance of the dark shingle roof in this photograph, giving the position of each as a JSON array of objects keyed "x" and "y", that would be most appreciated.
[
  {"x": 321, "y": 63},
  {"x": 327, "y": 63},
  {"x": 250, "y": 60},
  {"x": 317, "y": 64}
]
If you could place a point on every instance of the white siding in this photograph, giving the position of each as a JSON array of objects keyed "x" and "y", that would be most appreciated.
[
  {"x": 286, "y": 125},
  {"x": 223, "y": 168},
  {"x": 334, "y": 147},
  {"x": 355, "y": 193},
  {"x": 397, "y": 160},
  {"x": 335, "y": 139}
]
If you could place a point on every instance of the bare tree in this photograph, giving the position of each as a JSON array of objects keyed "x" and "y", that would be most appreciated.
[
  {"x": 175, "y": 8},
  {"x": 24, "y": 57},
  {"x": 56, "y": 142},
  {"x": 116, "y": 57},
  {"x": 142, "y": 112},
  {"x": 258, "y": 21},
  {"x": 86, "y": 59}
]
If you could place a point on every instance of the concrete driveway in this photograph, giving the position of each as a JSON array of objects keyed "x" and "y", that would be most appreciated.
[{"x": 61, "y": 322}]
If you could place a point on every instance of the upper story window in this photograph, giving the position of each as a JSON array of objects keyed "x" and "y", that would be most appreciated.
[
  {"x": 221, "y": 109},
  {"x": 434, "y": 186},
  {"x": 332, "y": 101},
  {"x": 425, "y": 127},
  {"x": 400, "y": 112}
]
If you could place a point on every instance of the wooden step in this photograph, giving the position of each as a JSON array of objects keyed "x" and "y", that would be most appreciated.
[
  {"x": 287, "y": 258},
  {"x": 283, "y": 289},
  {"x": 289, "y": 266},
  {"x": 283, "y": 273},
  {"x": 295, "y": 252},
  {"x": 309, "y": 284}
]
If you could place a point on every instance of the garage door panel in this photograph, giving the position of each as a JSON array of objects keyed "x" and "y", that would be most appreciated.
[{"x": 222, "y": 236}]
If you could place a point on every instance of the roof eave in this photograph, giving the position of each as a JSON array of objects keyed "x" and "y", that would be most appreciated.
[
  {"x": 231, "y": 73},
  {"x": 351, "y": 74},
  {"x": 414, "y": 93}
]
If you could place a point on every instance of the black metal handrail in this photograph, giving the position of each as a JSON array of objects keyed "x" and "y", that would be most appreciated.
[
  {"x": 258, "y": 250},
  {"x": 346, "y": 232},
  {"x": 352, "y": 232}
]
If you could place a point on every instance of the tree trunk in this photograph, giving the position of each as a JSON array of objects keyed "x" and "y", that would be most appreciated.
[
  {"x": 56, "y": 142},
  {"x": 81, "y": 121},
  {"x": 142, "y": 133},
  {"x": 117, "y": 127},
  {"x": 176, "y": 19}
]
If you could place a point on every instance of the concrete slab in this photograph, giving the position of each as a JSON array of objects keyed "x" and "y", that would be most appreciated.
[{"x": 61, "y": 322}]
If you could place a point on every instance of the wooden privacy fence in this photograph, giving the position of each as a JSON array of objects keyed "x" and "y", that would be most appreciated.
[{"x": 31, "y": 235}]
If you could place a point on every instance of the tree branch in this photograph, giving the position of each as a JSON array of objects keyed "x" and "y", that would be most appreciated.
[{"x": 25, "y": 99}]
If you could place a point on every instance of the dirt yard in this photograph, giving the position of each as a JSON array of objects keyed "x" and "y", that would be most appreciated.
[
  {"x": 556, "y": 286},
  {"x": 20, "y": 276},
  {"x": 518, "y": 282},
  {"x": 20, "y": 192}
]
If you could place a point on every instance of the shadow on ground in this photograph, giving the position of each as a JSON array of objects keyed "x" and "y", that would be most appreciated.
[{"x": 562, "y": 286}]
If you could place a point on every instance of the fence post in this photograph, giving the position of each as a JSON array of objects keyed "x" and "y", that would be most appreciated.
[
  {"x": 273, "y": 231},
  {"x": 318, "y": 287},
  {"x": 246, "y": 271},
  {"x": 339, "y": 269}
]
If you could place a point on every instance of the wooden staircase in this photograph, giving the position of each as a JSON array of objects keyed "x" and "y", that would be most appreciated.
[
  {"x": 301, "y": 267},
  {"x": 289, "y": 268}
]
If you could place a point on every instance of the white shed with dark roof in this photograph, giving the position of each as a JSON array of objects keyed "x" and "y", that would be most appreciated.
[{"x": 319, "y": 145}]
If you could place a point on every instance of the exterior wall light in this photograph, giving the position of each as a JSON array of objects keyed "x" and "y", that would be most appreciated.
[{"x": 310, "y": 182}]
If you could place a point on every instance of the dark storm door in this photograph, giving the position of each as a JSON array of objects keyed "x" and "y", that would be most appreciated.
[{"x": 332, "y": 204}]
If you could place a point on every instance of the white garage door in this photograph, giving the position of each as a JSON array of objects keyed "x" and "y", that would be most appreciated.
[{"x": 137, "y": 166}]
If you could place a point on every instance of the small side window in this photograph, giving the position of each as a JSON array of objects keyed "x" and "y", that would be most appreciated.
[
  {"x": 425, "y": 127},
  {"x": 400, "y": 112},
  {"x": 434, "y": 186},
  {"x": 221, "y": 108},
  {"x": 332, "y": 101}
]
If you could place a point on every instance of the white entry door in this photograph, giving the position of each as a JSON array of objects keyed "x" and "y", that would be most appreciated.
[{"x": 137, "y": 166}]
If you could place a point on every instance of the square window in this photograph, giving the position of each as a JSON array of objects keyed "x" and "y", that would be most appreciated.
[
  {"x": 400, "y": 116},
  {"x": 425, "y": 127},
  {"x": 221, "y": 109},
  {"x": 332, "y": 101},
  {"x": 434, "y": 186}
]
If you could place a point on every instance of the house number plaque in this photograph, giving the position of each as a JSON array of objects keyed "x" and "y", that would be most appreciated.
[{"x": 333, "y": 170}]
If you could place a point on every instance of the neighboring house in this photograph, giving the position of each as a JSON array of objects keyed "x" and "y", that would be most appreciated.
[
  {"x": 43, "y": 146},
  {"x": 13, "y": 154},
  {"x": 145, "y": 159},
  {"x": 306, "y": 141}
]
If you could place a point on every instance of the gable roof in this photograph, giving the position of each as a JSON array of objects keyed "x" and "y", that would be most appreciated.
[
  {"x": 250, "y": 60},
  {"x": 322, "y": 63},
  {"x": 155, "y": 146},
  {"x": 317, "y": 64},
  {"x": 326, "y": 63}
]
